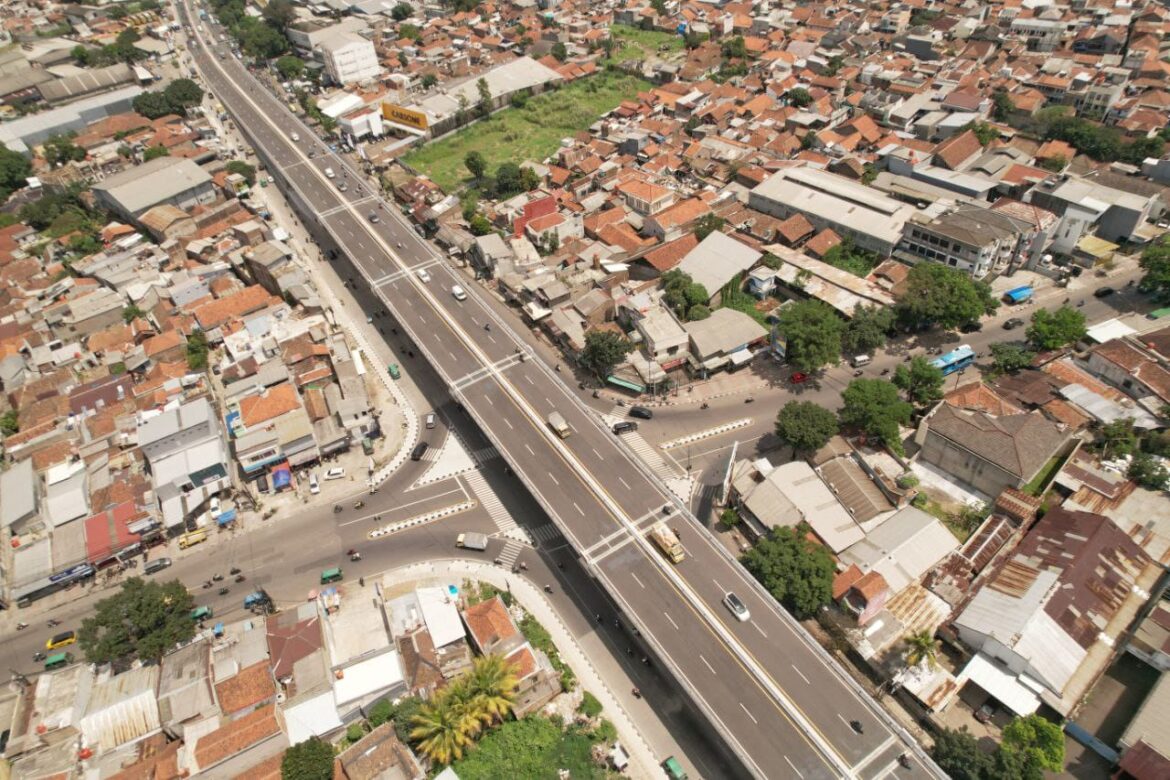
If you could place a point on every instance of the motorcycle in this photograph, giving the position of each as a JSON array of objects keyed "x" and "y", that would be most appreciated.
[
  {"x": 21, "y": 626},
  {"x": 224, "y": 591},
  {"x": 904, "y": 760},
  {"x": 359, "y": 504},
  {"x": 38, "y": 656},
  {"x": 858, "y": 372},
  {"x": 217, "y": 577},
  {"x": 336, "y": 508},
  {"x": 637, "y": 693},
  {"x": 355, "y": 557},
  {"x": 53, "y": 622},
  {"x": 206, "y": 584},
  {"x": 235, "y": 570},
  {"x": 240, "y": 578},
  {"x": 856, "y": 726},
  {"x": 705, "y": 405}
]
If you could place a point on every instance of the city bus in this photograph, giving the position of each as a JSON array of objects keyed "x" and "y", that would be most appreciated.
[{"x": 955, "y": 360}]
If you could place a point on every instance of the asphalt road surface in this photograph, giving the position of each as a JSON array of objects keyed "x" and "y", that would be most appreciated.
[{"x": 778, "y": 701}]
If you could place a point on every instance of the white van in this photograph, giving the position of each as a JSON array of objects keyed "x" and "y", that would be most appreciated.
[
  {"x": 329, "y": 173},
  {"x": 862, "y": 360},
  {"x": 314, "y": 485}
]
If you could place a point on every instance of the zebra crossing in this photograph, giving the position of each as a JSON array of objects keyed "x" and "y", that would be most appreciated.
[
  {"x": 511, "y": 552},
  {"x": 484, "y": 455},
  {"x": 546, "y": 533},
  {"x": 649, "y": 455},
  {"x": 488, "y": 500}
]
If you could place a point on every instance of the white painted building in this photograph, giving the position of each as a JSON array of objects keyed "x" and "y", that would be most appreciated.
[{"x": 349, "y": 58}]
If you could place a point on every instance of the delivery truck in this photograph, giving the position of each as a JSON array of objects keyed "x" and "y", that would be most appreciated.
[
  {"x": 668, "y": 542},
  {"x": 472, "y": 541}
]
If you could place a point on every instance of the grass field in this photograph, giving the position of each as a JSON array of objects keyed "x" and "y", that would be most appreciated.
[
  {"x": 637, "y": 44},
  {"x": 529, "y": 133}
]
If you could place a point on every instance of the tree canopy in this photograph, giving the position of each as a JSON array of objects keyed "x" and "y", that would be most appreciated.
[
  {"x": 805, "y": 426},
  {"x": 1055, "y": 329},
  {"x": 308, "y": 760},
  {"x": 956, "y": 751},
  {"x": 1155, "y": 262},
  {"x": 1010, "y": 357},
  {"x": 60, "y": 149},
  {"x": 142, "y": 621},
  {"x": 707, "y": 224},
  {"x": 242, "y": 168},
  {"x": 183, "y": 94},
  {"x": 14, "y": 171},
  {"x": 603, "y": 350},
  {"x": 812, "y": 333},
  {"x": 290, "y": 67},
  {"x": 920, "y": 380},
  {"x": 683, "y": 294},
  {"x": 940, "y": 295},
  {"x": 1146, "y": 471},
  {"x": 868, "y": 329},
  {"x": 401, "y": 11},
  {"x": 796, "y": 571},
  {"x": 1036, "y": 743},
  {"x": 873, "y": 407},
  {"x": 799, "y": 97},
  {"x": 475, "y": 163}
]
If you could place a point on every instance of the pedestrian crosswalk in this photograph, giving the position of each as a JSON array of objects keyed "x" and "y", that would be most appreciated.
[
  {"x": 489, "y": 501},
  {"x": 511, "y": 552},
  {"x": 484, "y": 455},
  {"x": 546, "y": 533},
  {"x": 649, "y": 455}
]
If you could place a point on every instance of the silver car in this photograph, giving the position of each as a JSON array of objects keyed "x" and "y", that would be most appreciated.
[{"x": 737, "y": 607}]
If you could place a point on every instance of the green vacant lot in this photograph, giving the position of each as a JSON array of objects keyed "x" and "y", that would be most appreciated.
[
  {"x": 529, "y": 133},
  {"x": 533, "y": 747},
  {"x": 633, "y": 43}
]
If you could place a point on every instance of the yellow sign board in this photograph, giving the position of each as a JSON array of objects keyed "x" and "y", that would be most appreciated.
[{"x": 404, "y": 116}]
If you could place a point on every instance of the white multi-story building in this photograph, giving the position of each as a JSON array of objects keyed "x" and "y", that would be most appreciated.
[{"x": 349, "y": 58}]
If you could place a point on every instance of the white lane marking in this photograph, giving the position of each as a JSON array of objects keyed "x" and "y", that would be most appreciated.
[
  {"x": 554, "y": 479},
  {"x": 595, "y": 452},
  {"x": 452, "y": 354},
  {"x": 794, "y": 769},
  {"x": 489, "y": 400},
  {"x": 707, "y": 663},
  {"x": 397, "y": 507},
  {"x": 528, "y": 379},
  {"x": 748, "y": 713},
  {"x": 491, "y": 339},
  {"x": 624, "y": 483},
  {"x": 580, "y": 511},
  {"x": 806, "y": 682},
  {"x": 757, "y": 628},
  {"x": 530, "y": 452},
  {"x": 668, "y": 617},
  {"x": 635, "y": 576},
  {"x": 505, "y": 419}
]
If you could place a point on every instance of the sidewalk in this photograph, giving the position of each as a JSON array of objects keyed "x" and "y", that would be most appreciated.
[{"x": 644, "y": 762}]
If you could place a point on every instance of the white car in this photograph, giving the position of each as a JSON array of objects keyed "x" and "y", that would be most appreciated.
[
  {"x": 459, "y": 293},
  {"x": 430, "y": 420},
  {"x": 330, "y": 174},
  {"x": 337, "y": 473},
  {"x": 314, "y": 485},
  {"x": 423, "y": 276},
  {"x": 295, "y": 137},
  {"x": 737, "y": 607}
]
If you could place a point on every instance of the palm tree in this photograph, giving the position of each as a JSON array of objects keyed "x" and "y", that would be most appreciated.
[
  {"x": 921, "y": 647},
  {"x": 443, "y": 728},
  {"x": 491, "y": 685}
]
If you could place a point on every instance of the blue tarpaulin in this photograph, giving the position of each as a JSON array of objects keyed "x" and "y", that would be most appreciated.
[
  {"x": 281, "y": 477},
  {"x": 227, "y": 517},
  {"x": 1019, "y": 294}
]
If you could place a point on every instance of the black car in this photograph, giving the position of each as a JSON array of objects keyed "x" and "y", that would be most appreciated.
[
  {"x": 971, "y": 327},
  {"x": 641, "y": 412},
  {"x": 419, "y": 450},
  {"x": 625, "y": 426},
  {"x": 1103, "y": 292},
  {"x": 1013, "y": 323}
]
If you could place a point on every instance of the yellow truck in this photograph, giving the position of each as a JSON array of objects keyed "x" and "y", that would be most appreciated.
[
  {"x": 667, "y": 542},
  {"x": 558, "y": 424}
]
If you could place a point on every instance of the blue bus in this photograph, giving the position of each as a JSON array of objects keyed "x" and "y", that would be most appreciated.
[{"x": 955, "y": 360}]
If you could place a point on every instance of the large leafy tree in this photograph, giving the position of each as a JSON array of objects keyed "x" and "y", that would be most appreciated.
[
  {"x": 1155, "y": 263},
  {"x": 475, "y": 163},
  {"x": 279, "y": 13},
  {"x": 308, "y": 760},
  {"x": 183, "y": 93},
  {"x": 683, "y": 294},
  {"x": 707, "y": 224},
  {"x": 812, "y": 333},
  {"x": 956, "y": 751},
  {"x": 867, "y": 329},
  {"x": 873, "y": 407},
  {"x": 290, "y": 67},
  {"x": 1146, "y": 471},
  {"x": 401, "y": 12},
  {"x": 796, "y": 571},
  {"x": 14, "y": 171},
  {"x": 1010, "y": 357},
  {"x": 940, "y": 295},
  {"x": 1034, "y": 744},
  {"x": 603, "y": 350},
  {"x": 152, "y": 105},
  {"x": 805, "y": 426},
  {"x": 1055, "y": 329},
  {"x": 60, "y": 149},
  {"x": 142, "y": 621},
  {"x": 920, "y": 380}
]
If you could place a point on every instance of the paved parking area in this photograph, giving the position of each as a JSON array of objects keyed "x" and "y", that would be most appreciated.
[{"x": 1114, "y": 701}]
